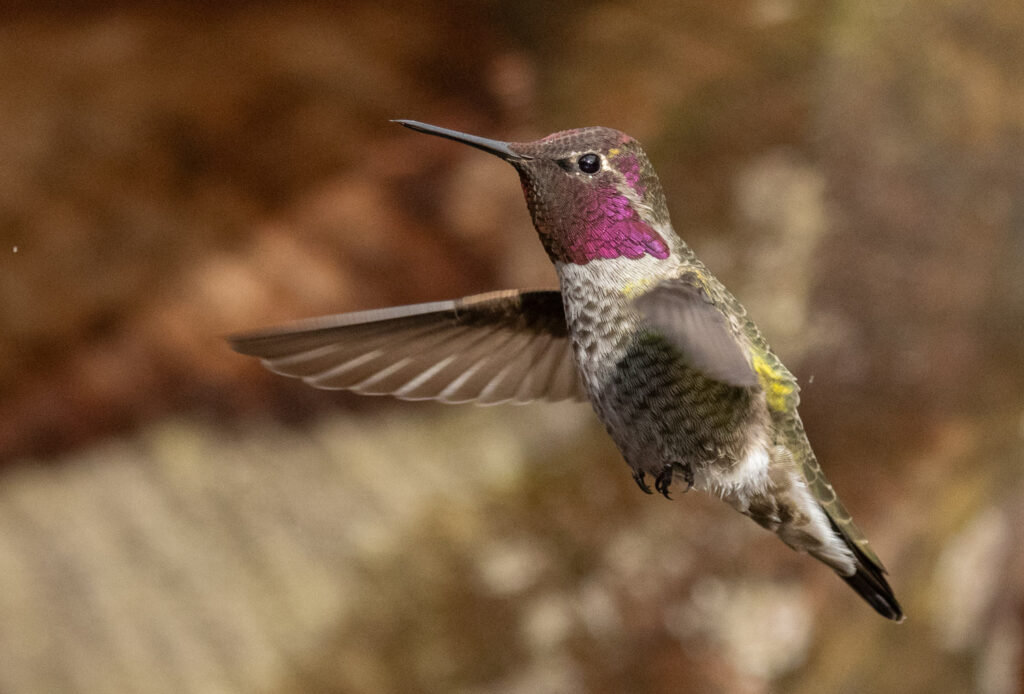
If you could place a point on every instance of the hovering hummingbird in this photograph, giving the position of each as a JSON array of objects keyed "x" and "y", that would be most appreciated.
[{"x": 678, "y": 374}]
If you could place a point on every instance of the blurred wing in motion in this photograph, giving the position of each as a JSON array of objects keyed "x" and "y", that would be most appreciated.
[
  {"x": 506, "y": 346},
  {"x": 683, "y": 313}
]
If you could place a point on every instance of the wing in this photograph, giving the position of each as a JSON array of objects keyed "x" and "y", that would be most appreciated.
[
  {"x": 506, "y": 346},
  {"x": 682, "y": 310}
]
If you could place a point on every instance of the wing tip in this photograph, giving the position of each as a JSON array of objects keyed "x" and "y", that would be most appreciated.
[{"x": 237, "y": 342}]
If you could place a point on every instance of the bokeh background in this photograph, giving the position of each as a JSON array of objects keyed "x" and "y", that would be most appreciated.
[{"x": 172, "y": 518}]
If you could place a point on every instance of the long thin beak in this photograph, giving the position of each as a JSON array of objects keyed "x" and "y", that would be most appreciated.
[{"x": 495, "y": 147}]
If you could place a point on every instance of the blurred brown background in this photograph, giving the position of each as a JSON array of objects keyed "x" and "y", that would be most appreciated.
[{"x": 174, "y": 519}]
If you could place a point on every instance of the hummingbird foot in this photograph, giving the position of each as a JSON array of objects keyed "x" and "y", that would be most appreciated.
[
  {"x": 640, "y": 477},
  {"x": 688, "y": 477},
  {"x": 664, "y": 480}
]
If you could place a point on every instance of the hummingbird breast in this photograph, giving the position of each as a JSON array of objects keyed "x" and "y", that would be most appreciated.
[{"x": 655, "y": 407}]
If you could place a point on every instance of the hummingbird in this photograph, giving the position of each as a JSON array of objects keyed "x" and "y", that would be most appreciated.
[{"x": 681, "y": 378}]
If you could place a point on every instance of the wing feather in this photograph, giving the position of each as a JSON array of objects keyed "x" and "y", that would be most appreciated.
[{"x": 507, "y": 346}]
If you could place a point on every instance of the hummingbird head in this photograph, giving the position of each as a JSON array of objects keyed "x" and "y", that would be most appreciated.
[{"x": 592, "y": 192}]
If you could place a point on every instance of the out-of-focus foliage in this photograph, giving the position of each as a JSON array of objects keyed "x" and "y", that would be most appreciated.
[{"x": 172, "y": 518}]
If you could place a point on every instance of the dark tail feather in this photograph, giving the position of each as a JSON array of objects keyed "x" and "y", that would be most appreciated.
[
  {"x": 869, "y": 582},
  {"x": 871, "y": 585}
]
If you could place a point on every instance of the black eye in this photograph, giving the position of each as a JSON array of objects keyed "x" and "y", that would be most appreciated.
[{"x": 589, "y": 163}]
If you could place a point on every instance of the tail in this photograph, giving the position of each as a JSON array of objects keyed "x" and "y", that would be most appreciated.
[
  {"x": 800, "y": 520},
  {"x": 869, "y": 581},
  {"x": 803, "y": 510}
]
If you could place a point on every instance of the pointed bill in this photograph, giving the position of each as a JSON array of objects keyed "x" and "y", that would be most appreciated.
[
  {"x": 495, "y": 147},
  {"x": 506, "y": 346}
]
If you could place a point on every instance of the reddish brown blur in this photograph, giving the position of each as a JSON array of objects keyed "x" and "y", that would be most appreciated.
[{"x": 168, "y": 176}]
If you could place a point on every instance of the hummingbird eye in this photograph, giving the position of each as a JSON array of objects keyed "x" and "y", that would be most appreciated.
[{"x": 589, "y": 163}]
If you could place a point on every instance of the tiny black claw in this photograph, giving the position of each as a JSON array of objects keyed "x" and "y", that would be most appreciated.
[
  {"x": 640, "y": 478},
  {"x": 664, "y": 480},
  {"x": 688, "y": 477}
]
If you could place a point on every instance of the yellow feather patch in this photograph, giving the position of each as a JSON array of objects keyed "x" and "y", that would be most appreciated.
[
  {"x": 614, "y": 151},
  {"x": 777, "y": 389},
  {"x": 636, "y": 287},
  {"x": 696, "y": 272}
]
